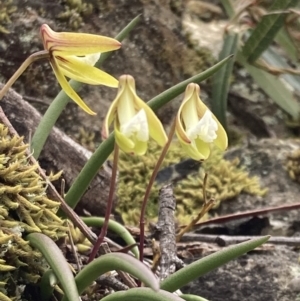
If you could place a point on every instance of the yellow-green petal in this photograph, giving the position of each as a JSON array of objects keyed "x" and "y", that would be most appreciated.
[
  {"x": 109, "y": 118},
  {"x": 125, "y": 143},
  {"x": 126, "y": 107},
  {"x": 156, "y": 129},
  {"x": 180, "y": 131},
  {"x": 191, "y": 151},
  {"x": 188, "y": 111},
  {"x": 74, "y": 68},
  {"x": 222, "y": 140},
  {"x": 69, "y": 43},
  {"x": 203, "y": 148},
  {"x": 140, "y": 147},
  {"x": 68, "y": 89}
]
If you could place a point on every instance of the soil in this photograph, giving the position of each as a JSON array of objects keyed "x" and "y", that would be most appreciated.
[{"x": 159, "y": 53}]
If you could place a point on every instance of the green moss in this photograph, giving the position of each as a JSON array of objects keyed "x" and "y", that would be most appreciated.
[
  {"x": 25, "y": 208},
  {"x": 86, "y": 138},
  {"x": 226, "y": 181},
  {"x": 7, "y": 8},
  {"x": 75, "y": 11},
  {"x": 293, "y": 165}
]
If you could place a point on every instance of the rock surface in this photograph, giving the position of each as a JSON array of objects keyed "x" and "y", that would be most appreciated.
[{"x": 271, "y": 273}]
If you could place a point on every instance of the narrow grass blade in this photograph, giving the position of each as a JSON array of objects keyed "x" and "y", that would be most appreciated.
[
  {"x": 91, "y": 168},
  {"x": 117, "y": 228},
  {"x": 61, "y": 100},
  {"x": 57, "y": 262},
  {"x": 115, "y": 261},
  {"x": 163, "y": 98},
  {"x": 284, "y": 40},
  {"x": 264, "y": 33},
  {"x": 142, "y": 293},
  {"x": 273, "y": 86},
  {"x": 228, "y": 7},
  {"x": 221, "y": 79},
  {"x": 209, "y": 263}
]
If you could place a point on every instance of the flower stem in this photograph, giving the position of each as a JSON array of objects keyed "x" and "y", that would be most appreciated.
[
  {"x": 150, "y": 184},
  {"x": 32, "y": 58},
  {"x": 109, "y": 205}
]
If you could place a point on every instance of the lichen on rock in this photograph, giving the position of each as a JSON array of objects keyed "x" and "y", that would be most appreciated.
[
  {"x": 226, "y": 180},
  {"x": 24, "y": 208}
]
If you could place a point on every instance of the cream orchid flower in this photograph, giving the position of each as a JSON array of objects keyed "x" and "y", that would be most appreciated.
[
  {"x": 134, "y": 121},
  {"x": 197, "y": 128},
  {"x": 73, "y": 55}
]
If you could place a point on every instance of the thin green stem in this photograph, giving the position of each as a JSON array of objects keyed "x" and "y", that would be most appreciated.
[
  {"x": 148, "y": 190},
  {"x": 32, "y": 58},
  {"x": 109, "y": 205},
  {"x": 117, "y": 228}
]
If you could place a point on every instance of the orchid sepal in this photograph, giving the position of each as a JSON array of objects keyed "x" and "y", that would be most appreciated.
[
  {"x": 72, "y": 55},
  {"x": 79, "y": 44}
]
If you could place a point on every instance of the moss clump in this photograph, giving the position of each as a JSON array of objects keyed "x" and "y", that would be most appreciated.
[
  {"x": 75, "y": 11},
  {"x": 86, "y": 138},
  {"x": 293, "y": 165},
  {"x": 7, "y": 8},
  {"x": 24, "y": 208},
  {"x": 81, "y": 243},
  {"x": 226, "y": 181}
]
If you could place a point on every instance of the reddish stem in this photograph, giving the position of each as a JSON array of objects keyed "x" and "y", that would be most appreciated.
[
  {"x": 109, "y": 205},
  {"x": 147, "y": 193}
]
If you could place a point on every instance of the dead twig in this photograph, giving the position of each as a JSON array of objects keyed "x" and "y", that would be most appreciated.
[
  {"x": 166, "y": 231},
  {"x": 251, "y": 213},
  {"x": 225, "y": 240}
]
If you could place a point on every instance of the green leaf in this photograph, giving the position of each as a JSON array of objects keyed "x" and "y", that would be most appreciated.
[
  {"x": 274, "y": 87},
  {"x": 163, "y": 98},
  {"x": 61, "y": 100},
  {"x": 284, "y": 40},
  {"x": 91, "y": 168},
  {"x": 221, "y": 79},
  {"x": 228, "y": 7},
  {"x": 57, "y": 262},
  {"x": 115, "y": 261},
  {"x": 276, "y": 60},
  {"x": 264, "y": 33},
  {"x": 188, "y": 297},
  {"x": 141, "y": 294},
  {"x": 117, "y": 228},
  {"x": 47, "y": 283},
  {"x": 209, "y": 263}
]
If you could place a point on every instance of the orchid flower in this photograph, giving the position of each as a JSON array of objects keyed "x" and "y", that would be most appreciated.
[
  {"x": 73, "y": 55},
  {"x": 197, "y": 128},
  {"x": 134, "y": 121}
]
